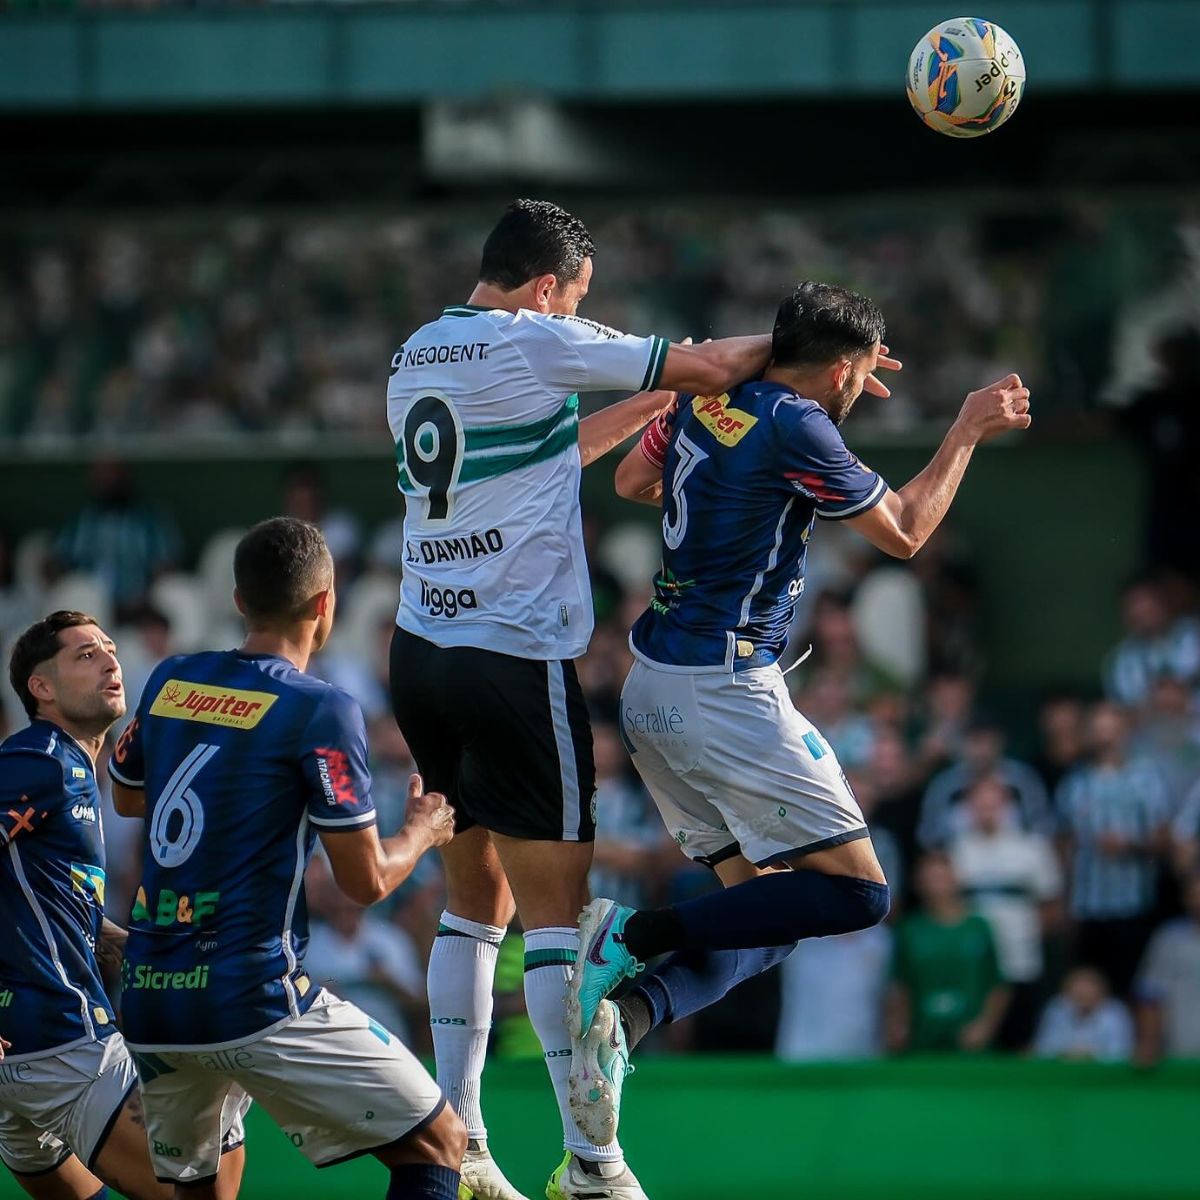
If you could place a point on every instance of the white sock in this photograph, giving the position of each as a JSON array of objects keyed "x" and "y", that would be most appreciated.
[
  {"x": 462, "y": 968},
  {"x": 550, "y": 954}
]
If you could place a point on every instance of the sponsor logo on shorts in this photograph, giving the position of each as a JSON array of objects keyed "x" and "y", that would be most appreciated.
[
  {"x": 232, "y": 707},
  {"x": 337, "y": 781},
  {"x": 144, "y": 978},
  {"x": 172, "y": 908},
  {"x": 165, "y": 1151},
  {"x": 87, "y": 880},
  {"x": 727, "y": 425},
  {"x": 659, "y": 719},
  {"x": 457, "y": 549},
  {"x": 226, "y": 1061},
  {"x": 15, "y": 1072},
  {"x": 448, "y": 601},
  {"x": 84, "y": 812}
]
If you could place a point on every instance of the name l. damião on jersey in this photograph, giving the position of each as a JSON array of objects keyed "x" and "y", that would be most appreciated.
[{"x": 454, "y": 549}]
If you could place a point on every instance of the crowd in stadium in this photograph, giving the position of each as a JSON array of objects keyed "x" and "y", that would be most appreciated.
[
  {"x": 214, "y": 328},
  {"x": 1047, "y": 900}
]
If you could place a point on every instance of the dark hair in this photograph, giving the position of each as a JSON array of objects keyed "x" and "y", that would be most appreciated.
[
  {"x": 38, "y": 644},
  {"x": 533, "y": 238},
  {"x": 279, "y": 565},
  {"x": 819, "y": 323}
]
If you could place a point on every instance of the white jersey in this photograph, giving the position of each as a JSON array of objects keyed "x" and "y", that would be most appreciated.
[{"x": 483, "y": 409}]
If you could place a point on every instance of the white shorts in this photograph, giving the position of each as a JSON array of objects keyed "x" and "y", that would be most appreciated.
[
  {"x": 62, "y": 1104},
  {"x": 733, "y": 767},
  {"x": 334, "y": 1080}
]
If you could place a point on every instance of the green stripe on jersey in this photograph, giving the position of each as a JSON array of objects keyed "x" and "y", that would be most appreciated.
[
  {"x": 499, "y": 449},
  {"x": 654, "y": 368},
  {"x": 549, "y": 958}
]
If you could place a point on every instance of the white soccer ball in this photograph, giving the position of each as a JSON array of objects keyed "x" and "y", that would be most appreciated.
[{"x": 965, "y": 77}]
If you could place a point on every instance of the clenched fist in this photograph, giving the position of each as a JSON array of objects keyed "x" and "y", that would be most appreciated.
[
  {"x": 429, "y": 812},
  {"x": 998, "y": 408}
]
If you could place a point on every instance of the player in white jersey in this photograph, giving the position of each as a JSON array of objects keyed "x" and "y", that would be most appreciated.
[{"x": 495, "y": 604}]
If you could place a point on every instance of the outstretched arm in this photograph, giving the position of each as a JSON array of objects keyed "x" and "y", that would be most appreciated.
[
  {"x": 902, "y": 522},
  {"x": 714, "y": 367}
]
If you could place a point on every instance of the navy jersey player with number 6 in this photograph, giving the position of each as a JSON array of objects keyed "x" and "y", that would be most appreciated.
[
  {"x": 743, "y": 781},
  {"x": 239, "y": 760}
]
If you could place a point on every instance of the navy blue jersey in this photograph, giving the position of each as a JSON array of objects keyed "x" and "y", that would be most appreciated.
[
  {"x": 745, "y": 475},
  {"x": 51, "y": 894},
  {"x": 243, "y": 759}
]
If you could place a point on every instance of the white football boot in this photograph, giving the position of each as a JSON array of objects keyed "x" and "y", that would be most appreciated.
[
  {"x": 604, "y": 1181},
  {"x": 482, "y": 1178}
]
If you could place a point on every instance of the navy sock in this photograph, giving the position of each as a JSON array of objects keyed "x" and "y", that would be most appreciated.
[
  {"x": 691, "y": 980},
  {"x": 772, "y": 910},
  {"x": 102, "y": 1194},
  {"x": 423, "y": 1181}
]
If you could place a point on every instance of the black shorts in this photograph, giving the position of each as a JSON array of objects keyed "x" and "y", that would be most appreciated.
[{"x": 507, "y": 740}]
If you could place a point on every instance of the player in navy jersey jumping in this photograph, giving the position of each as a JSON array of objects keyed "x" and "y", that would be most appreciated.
[
  {"x": 743, "y": 781},
  {"x": 239, "y": 761},
  {"x": 70, "y": 1114}
]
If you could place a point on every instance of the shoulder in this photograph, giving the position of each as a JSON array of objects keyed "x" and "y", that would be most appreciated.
[
  {"x": 329, "y": 703},
  {"x": 28, "y": 762},
  {"x": 567, "y": 328}
]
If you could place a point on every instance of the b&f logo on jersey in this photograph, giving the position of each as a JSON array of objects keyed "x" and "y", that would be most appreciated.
[
  {"x": 333, "y": 769},
  {"x": 727, "y": 425},
  {"x": 232, "y": 707}
]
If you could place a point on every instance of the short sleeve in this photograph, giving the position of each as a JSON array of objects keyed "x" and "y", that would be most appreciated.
[
  {"x": 575, "y": 354},
  {"x": 816, "y": 463},
  {"x": 128, "y": 765},
  {"x": 31, "y": 789},
  {"x": 333, "y": 759}
]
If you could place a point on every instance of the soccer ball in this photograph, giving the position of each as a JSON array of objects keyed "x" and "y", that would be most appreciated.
[{"x": 965, "y": 77}]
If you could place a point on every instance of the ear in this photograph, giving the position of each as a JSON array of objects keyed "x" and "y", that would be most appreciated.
[
  {"x": 237, "y": 601},
  {"x": 322, "y": 602},
  {"x": 40, "y": 688},
  {"x": 543, "y": 289},
  {"x": 842, "y": 371}
]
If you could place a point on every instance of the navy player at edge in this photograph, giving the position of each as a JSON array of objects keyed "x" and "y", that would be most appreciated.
[
  {"x": 742, "y": 780},
  {"x": 70, "y": 1114},
  {"x": 239, "y": 760}
]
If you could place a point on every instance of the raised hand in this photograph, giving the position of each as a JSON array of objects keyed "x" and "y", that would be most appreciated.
[
  {"x": 428, "y": 811},
  {"x": 998, "y": 408},
  {"x": 876, "y": 386}
]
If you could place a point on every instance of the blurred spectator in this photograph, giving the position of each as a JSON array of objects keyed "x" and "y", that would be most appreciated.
[
  {"x": 1169, "y": 735},
  {"x": 1012, "y": 878},
  {"x": 1185, "y": 833},
  {"x": 897, "y": 785},
  {"x": 1113, "y": 813},
  {"x": 304, "y": 497},
  {"x": 1085, "y": 1022},
  {"x": 630, "y": 837},
  {"x": 947, "y": 992},
  {"x": 831, "y": 1005},
  {"x": 837, "y": 653},
  {"x": 827, "y": 701},
  {"x": 949, "y": 704},
  {"x": 143, "y": 652},
  {"x": 1063, "y": 744},
  {"x": 1168, "y": 986},
  {"x": 1155, "y": 643},
  {"x": 363, "y": 958},
  {"x": 943, "y": 815},
  {"x": 120, "y": 537}
]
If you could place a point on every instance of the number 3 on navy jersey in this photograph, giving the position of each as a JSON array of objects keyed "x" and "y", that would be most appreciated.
[
  {"x": 433, "y": 452},
  {"x": 178, "y": 818},
  {"x": 675, "y": 514}
]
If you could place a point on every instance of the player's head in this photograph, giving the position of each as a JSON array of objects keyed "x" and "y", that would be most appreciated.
[
  {"x": 830, "y": 332},
  {"x": 283, "y": 579},
  {"x": 65, "y": 670},
  {"x": 539, "y": 249}
]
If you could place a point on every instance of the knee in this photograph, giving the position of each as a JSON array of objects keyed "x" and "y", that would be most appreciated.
[
  {"x": 448, "y": 1139},
  {"x": 876, "y": 903}
]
